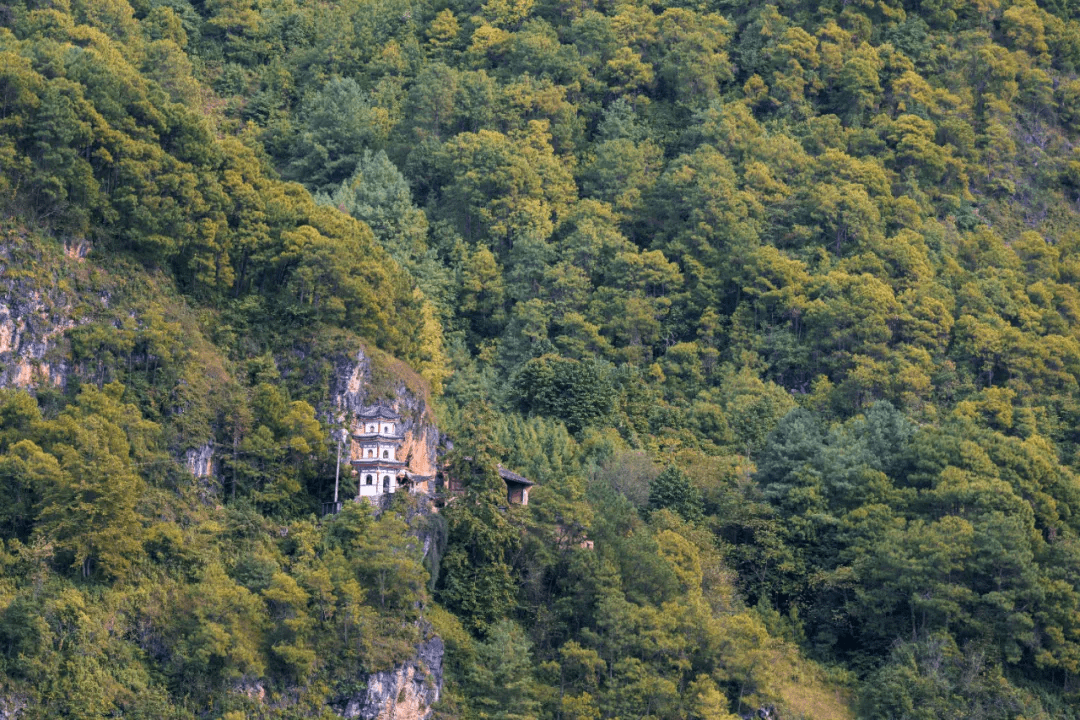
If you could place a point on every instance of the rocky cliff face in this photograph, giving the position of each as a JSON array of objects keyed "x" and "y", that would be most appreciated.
[
  {"x": 406, "y": 692},
  {"x": 365, "y": 380},
  {"x": 12, "y": 707},
  {"x": 200, "y": 460},
  {"x": 360, "y": 381},
  {"x": 32, "y": 327}
]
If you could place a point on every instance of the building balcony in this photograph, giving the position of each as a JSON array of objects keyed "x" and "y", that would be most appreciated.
[
  {"x": 378, "y": 462},
  {"x": 378, "y": 435}
]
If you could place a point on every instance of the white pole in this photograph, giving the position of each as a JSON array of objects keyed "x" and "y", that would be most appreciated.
[{"x": 337, "y": 472}]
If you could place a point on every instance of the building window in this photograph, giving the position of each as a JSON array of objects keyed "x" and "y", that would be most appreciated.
[
  {"x": 386, "y": 428},
  {"x": 386, "y": 483},
  {"x": 385, "y": 453},
  {"x": 370, "y": 480},
  {"x": 371, "y": 428},
  {"x": 368, "y": 454}
]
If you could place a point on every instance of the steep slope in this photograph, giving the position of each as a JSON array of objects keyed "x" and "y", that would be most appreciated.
[{"x": 777, "y": 303}]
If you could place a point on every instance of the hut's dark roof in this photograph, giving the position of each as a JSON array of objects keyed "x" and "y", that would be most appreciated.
[{"x": 513, "y": 477}]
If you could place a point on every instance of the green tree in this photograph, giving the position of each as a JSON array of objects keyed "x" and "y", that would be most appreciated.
[
  {"x": 574, "y": 392},
  {"x": 673, "y": 490},
  {"x": 501, "y": 682},
  {"x": 506, "y": 186},
  {"x": 338, "y": 123},
  {"x": 389, "y": 563},
  {"x": 477, "y": 580},
  {"x": 26, "y": 471},
  {"x": 378, "y": 194},
  {"x": 88, "y": 508}
]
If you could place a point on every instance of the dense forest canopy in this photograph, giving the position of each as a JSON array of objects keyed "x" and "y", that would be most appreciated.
[{"x": 777, "y": 302}]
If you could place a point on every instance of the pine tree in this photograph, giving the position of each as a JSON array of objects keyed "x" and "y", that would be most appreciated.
[{"x": 673, "y": 490}]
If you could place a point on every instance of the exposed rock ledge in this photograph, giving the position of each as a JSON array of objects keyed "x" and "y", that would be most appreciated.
[
  {"x": 200, "y": 460},
  {"x": 406, "y": 692},
  {"x": 12, "y": 707},
  {"x": 355, "y": 388},
  {"x": 29, "y": 332}
]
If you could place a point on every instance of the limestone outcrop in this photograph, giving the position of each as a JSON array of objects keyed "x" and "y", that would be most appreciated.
[
  {"x": 406, "y": 692},
  {"x": 30, "y": 329},
  {"x": 370, "y": 379},
  {"x": 200, "y": 460},
  {"x": 12, "y": 707}
]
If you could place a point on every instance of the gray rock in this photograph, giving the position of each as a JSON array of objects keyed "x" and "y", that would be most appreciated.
[
  {"x": 353, "y": 390},
  {"x": 406, "y": 692},
  {"x": 200, "y": 460},
  {"x": 32, "y": 343},
  {"x": 11, "y": 707}
]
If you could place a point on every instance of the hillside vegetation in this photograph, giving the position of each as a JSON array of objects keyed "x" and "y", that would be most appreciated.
[{"x": 778, "y": 303}]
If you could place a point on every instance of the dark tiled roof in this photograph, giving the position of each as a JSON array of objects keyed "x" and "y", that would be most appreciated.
[
  {"x": 514, "y": 477},
  {"x": 380, "y": 412}
]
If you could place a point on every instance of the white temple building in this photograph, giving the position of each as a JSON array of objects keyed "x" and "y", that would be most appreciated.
[
  {"x": 376, "y": 457},
  {"x": 377, "y": 438}
]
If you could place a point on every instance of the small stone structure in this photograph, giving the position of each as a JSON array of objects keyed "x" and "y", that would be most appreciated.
[{"x": 517, "y": 486}]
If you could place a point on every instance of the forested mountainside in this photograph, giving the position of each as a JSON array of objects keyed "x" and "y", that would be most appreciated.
[{"x": 777, "y": 303}]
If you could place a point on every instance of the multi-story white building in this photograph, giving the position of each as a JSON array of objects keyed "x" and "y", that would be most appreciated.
[{"x": 377, "y": 439}]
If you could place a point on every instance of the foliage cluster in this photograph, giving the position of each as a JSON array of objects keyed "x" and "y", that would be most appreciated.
[{"x": 777, "y": 303}]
